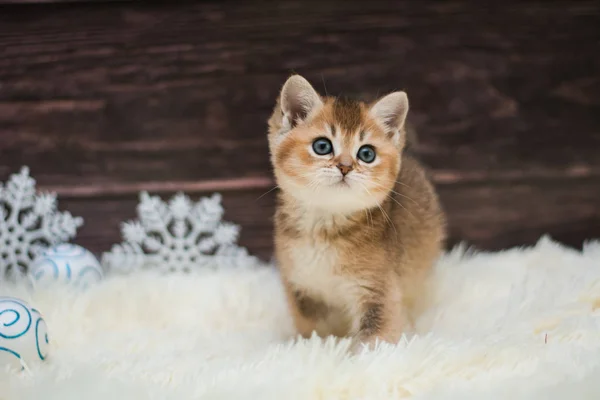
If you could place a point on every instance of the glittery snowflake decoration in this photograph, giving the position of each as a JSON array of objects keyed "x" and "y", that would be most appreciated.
[
  {"x": 178, "y": 236},
  {"x": 29, "y": 224}
]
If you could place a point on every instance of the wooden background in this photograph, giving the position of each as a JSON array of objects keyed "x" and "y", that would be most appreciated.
[{"x": 103, "y": 99}]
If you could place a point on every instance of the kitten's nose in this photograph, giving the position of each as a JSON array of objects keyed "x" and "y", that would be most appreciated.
[{"x": 345, "y": 167}]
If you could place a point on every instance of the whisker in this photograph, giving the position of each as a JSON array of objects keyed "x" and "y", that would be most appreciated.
[
  {"x": 391, "y": 190},
  {"x": 401, "y": 205},
  {"x": 370, "y": 217},
  {"x": 385, "y": 215},
  {"x": 403, "y": 184},
  {"x": 266, "y": 193},
  {"x": 388, "y": 218},
  {"x": 403, "y": 195},
  {"x": 391, "y": 198},
  {"x": 324, "y": 86}
]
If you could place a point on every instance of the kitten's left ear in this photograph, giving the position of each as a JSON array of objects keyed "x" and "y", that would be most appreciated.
[
  {"x": 298, "y": 99},
  {"x": 391, "y": 111}
]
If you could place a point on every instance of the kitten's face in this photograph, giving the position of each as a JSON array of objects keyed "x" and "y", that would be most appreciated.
[{"x": 339, "y": 156}]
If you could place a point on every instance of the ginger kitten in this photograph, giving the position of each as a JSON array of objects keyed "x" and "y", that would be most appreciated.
[{"x": 358, "y": 225}]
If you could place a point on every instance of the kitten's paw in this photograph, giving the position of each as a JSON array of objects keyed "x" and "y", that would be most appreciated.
[
  {"x": 359, "y": 345},
  {"x": 356, "y": 347}
]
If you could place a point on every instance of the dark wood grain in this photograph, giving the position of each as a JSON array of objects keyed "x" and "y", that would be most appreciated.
[
  {"x": 128, "y": 93},
  {"x": 489, "y": 218},
  {"x": 104, "y": 99},
  {"x": 57, "y": 1},
  {"x": 515, "y": 214}
]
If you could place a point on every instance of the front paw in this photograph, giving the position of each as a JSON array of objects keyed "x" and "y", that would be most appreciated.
[
  {"x": 360, "y": 344},
  {"x": 355, "y": 347}
]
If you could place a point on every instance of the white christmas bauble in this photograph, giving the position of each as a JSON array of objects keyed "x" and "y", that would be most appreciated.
[
  {"x": 23, "y": 333},
  {"x": 68, "y": 264}
]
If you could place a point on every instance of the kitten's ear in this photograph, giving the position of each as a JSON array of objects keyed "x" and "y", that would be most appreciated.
[
  {"x": 298, "y": 99},
  {"x": 391, "y": 111}
]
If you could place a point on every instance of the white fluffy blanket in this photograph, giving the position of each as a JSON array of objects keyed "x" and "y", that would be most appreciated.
[{"x": 519, "y": 324}]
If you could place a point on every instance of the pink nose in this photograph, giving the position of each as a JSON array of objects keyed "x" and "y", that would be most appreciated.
[{"x": 344, "y": 168}]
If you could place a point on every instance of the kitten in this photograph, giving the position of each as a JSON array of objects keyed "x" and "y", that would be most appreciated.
[{"x": 358, "y": 225}]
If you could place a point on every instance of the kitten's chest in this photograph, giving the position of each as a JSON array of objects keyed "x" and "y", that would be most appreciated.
[{"x": 317, "y": 270}]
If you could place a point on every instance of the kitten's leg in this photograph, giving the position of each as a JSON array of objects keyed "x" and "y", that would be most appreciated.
[
  {"x": 383, "y": 318},
  {"x": 302, "y": 310}
]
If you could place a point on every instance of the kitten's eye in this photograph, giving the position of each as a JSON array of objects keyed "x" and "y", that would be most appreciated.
[
  {"x": 322, "y": 146},
  {"x": 366, "y": 153}
]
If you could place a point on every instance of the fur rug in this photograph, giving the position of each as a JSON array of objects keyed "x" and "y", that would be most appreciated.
[{"x": 519, "y": 324}]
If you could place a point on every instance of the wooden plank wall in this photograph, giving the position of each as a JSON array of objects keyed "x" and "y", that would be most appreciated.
[{"x": 104, "y": 99}]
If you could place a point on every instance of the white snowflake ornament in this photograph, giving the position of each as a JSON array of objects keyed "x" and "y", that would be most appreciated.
[
  {"x": 178, "y": 236},
  {"x": 29, "y": 224}
]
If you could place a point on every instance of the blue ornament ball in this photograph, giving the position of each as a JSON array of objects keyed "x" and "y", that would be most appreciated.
[
  {"x": 23, "y": 333},
  {"x": 66, "y": 264}
]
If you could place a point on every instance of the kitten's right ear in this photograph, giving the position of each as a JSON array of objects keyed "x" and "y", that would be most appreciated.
[{"x": 298, "y": 99}]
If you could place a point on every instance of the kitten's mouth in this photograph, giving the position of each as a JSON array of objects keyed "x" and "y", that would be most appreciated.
[{"x": 341, "y": 183}]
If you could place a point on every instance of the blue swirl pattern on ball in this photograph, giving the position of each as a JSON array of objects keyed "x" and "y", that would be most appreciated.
[
  {"x": 82, "y": 278},
  {"x": 41, "y": 338},
  {"x": 20, "y": 309},
  {"x": 11, "y": 352},
  {"x": 43, "y": 266},
  {"x": 66, "y": 250},
  {"x": 19, "y": 320},
  {"x": 67, "y": 263}
]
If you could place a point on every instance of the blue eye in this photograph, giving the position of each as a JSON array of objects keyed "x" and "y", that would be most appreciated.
[
  {"x": 322, "y": 146},
  {"x": 366, "y": 153}
]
